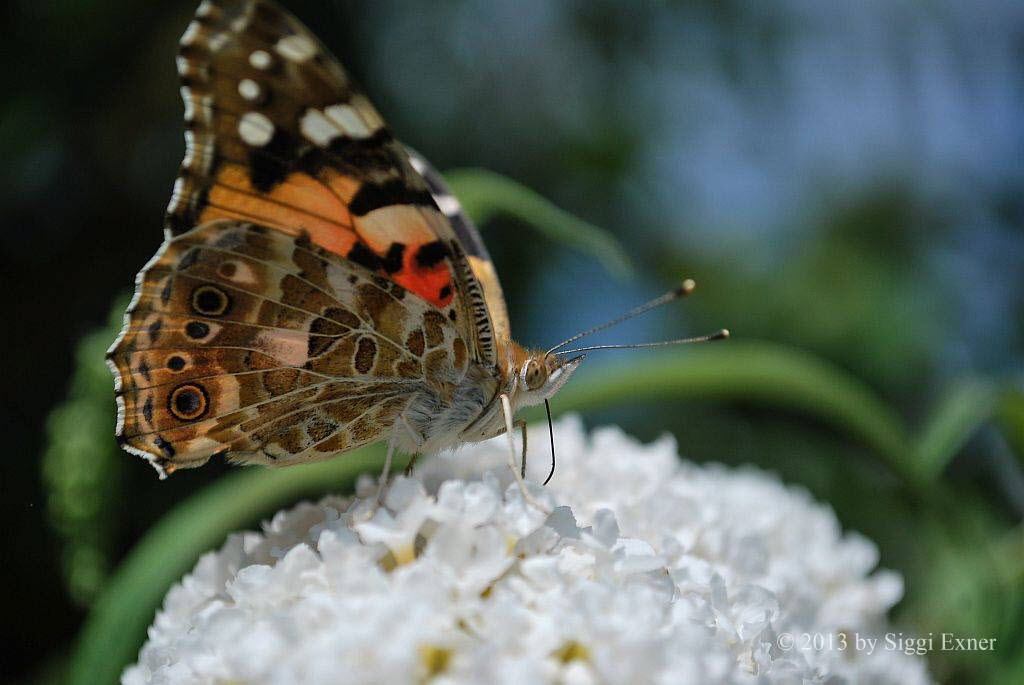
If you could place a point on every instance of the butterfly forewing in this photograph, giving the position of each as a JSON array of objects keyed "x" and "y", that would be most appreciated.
[{"x": 278, "y": 134}]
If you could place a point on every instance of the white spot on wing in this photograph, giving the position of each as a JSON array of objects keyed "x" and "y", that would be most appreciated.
[
  {"x": 191, "y": 34},
  {"x": 261, "y": 59},
  {"x": 367, "y": 112},
  {"x": 198, "y": 147},
  {"x": 119, "y": 425},
  {"x": 182, "y": 64},
  {"x": 244, "y": 273},
  {"x": 255, "y": 129},
  {"x": 417, "y": 164},
  {"x": 448, "y": 205},
  {"x": 217, "y": 41},
  {"x": 190, "y": 107},
  {"x": 176, "y": 195},
  {"x": 317, "y": 128},
  {"x": 190, "y": 149},
  {"x": 288, "y": 347},
  {"x": 348, "y": 120},
  {"x": 205, "y": 9},
  {"x": 249, "y": 89},
  {"x": 296, "y": 48}
]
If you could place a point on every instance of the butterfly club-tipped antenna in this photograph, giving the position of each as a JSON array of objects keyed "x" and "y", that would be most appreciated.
[
  {"x": 682, "y": 290},
  {"x": 721, "y": 334}
]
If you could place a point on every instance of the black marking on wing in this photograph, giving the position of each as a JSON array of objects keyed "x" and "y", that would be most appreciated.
[
  {"x": 164, "y": 446},
  {"x": 272, "y": 163},
  {"x": 364, "y": 256},
  {"x": 392, "y": 259},
  {"x": 477, "y": 305},
  {"x": 430, "y": 254},
  {"x": 373, "y": 196}
]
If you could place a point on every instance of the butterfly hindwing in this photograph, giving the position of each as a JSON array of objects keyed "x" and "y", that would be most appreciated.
[
  {"x": 278, "y": 134},
  {"x": 250, "y": 343}
]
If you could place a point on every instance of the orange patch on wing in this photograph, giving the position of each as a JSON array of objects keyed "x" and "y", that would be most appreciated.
[
  {"x": 433, "y": 284},
  {"x": 412, "y": 226},
  {"x": 300, "y": 202},
  {"x": 320, "y": 207},
  {"x": 344, "y": 186}
]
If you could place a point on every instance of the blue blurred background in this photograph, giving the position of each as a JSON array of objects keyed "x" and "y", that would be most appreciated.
[{"x": 843, "y": 178}]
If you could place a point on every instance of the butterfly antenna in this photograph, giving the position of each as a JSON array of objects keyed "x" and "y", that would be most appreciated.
[
  {"x": 717, "y": 335},
  {"x": 684, "y": 289},
  {"x": 551, "y": 432}
]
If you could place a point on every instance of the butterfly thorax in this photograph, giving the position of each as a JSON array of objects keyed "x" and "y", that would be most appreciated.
[
  {"x": 444, "y": 415},
  {"x": 470, "y": 411}
]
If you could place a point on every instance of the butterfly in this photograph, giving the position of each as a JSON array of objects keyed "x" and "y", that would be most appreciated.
[{"x": 319, "y": 287}]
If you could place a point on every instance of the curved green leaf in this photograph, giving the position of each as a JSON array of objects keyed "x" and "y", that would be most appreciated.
[
  {"x": 485, "y": 194},
  {"x": 961, "y": 413}
]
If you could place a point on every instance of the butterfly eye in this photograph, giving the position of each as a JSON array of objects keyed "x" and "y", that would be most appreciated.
[{"x": 534, "y": 375}]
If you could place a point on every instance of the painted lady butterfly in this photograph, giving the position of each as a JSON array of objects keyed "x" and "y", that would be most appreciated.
[{"x": 319, "y": 288}]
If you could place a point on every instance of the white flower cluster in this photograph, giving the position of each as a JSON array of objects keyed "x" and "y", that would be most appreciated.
[{"x": 649, "y": 570}]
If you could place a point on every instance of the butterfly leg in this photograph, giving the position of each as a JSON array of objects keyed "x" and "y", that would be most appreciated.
[
  {"x": 510, "y": 430},
  {"x": 368, "y": 507},
  {"x": 521, "y": 425},
  {"x": 417, "y": 439},
  {"x": 382, "y": 484}
]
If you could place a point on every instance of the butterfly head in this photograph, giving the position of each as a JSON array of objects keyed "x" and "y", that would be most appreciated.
[{"x": 539, "y": 375}]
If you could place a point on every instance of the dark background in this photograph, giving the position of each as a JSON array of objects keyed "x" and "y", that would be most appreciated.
[{"x": 844, "y": 178}]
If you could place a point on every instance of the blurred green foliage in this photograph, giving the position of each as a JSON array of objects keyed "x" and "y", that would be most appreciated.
[{"x": 81, "y": 472}]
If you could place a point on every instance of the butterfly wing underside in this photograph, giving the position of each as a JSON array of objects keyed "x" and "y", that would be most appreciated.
[
  {"x": 309, "y": 283},
  {"x": 248, "y": 343}
]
